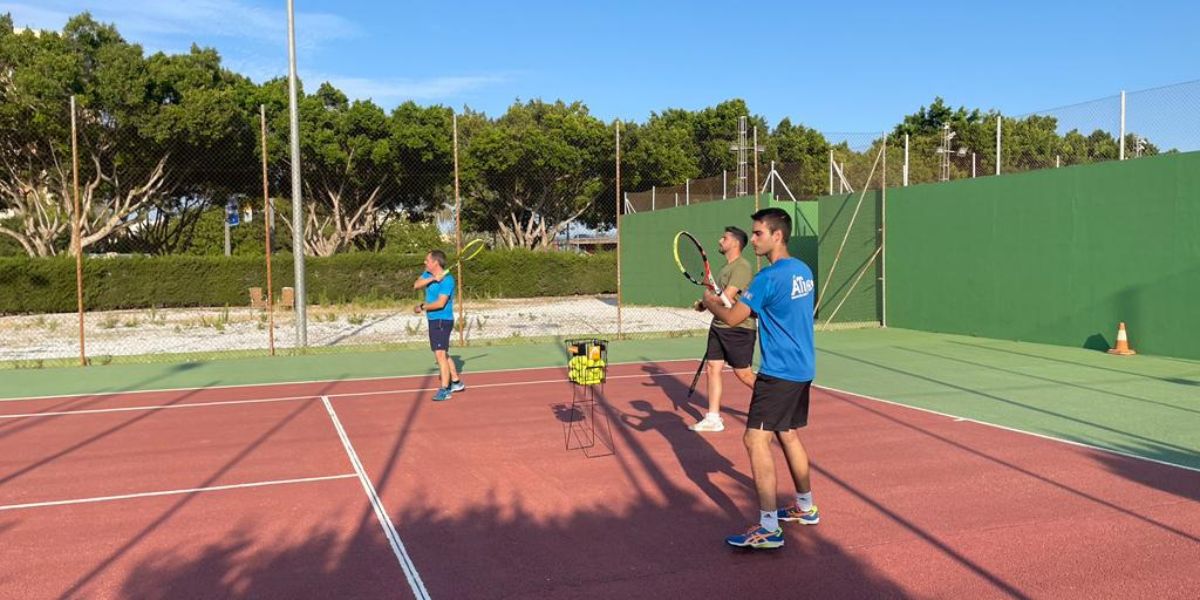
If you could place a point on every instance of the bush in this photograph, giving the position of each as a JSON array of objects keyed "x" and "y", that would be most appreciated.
[
  {"x": 406, "y": 237},
  {"x": 48, "y": 285}
]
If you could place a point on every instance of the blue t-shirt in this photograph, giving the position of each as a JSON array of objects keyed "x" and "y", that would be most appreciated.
[
  {"x": 443, "y": 288},
  {"x": 782, "y": 296}
]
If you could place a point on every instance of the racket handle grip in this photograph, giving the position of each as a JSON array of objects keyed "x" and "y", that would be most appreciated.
[{"x": 725, "y": 301}]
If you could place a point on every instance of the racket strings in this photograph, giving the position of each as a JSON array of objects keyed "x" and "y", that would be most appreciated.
[{"x": 691, "y": 259}]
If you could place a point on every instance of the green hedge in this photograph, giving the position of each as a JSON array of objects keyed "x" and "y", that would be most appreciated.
[{"x": 48, "y": 285}]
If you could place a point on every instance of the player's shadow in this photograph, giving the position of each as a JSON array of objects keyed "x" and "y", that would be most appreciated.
[
  {"x": 677, "y": 392},
  {"x": 697, "y": 457}
]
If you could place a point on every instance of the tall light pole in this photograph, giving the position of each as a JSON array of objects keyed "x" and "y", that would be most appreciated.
[
  {"x": 946, "y": 150},
  {"x": 297, "y": 205}
]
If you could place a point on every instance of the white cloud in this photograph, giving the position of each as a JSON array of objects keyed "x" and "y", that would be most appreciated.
[
  {"x": 159, "y": 23},
  {"x": 255, "y": 43},
  {"x": 388, "y": 91}
]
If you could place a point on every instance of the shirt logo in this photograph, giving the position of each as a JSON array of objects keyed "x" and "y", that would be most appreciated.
[{"x": 801, "y": 286}]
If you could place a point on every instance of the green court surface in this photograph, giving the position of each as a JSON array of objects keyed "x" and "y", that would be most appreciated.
[{"x": 1142, "y": 405}]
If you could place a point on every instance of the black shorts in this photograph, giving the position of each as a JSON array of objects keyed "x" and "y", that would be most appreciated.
[
  {"x": 439, "y": 333},
  {"x": 734, "y": 345},
  {"x": 778, "y": 404}
]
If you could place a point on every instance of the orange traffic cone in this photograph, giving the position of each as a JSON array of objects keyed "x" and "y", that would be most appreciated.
[{"x": 1122, "y": 348}]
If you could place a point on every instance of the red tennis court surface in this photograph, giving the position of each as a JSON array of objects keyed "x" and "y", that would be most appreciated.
[{"x": 255, "y": 492}]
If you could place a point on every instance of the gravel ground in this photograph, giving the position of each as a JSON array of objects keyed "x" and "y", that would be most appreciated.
[{"x": 134, "y": 332}]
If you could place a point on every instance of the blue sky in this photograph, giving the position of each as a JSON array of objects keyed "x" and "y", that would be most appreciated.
[{"x": 836, "y": 67}]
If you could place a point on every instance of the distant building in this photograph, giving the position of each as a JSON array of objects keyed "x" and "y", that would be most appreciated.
[{"x": 590, "y": 245}]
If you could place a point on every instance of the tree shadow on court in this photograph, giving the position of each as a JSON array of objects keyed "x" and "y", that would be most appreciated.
[
  {"x": 1096, "y": 389},
  {"x": 13, "y": 426},
  {"x": 1181, "y": 482},
  {"x": 1192, "y": 378},
  {"x": 646, "y": 536},
  {"x": 1144, "y": 471},
  {"x": 1179, "y": 452},
  {"x": 85, "y": 580},
  {"x": 500, "y": 549},
  {"x": 82, "y": 402}
]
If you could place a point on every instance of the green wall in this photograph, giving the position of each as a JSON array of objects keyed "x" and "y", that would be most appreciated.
[
  {"x": 648, "y": 272},
  {"x": 1057, "y": 256}
]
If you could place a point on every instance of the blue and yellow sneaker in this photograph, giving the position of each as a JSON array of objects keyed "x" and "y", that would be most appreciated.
[
  {"x": 442, "y": 394},
  {"x": 806, "y": 517},
  {"x": 758, "y": 538}
]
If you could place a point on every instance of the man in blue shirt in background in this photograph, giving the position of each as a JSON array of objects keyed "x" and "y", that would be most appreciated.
[
  {"x": 439, "y": 308},
  {"x": 781, "y": 296}
]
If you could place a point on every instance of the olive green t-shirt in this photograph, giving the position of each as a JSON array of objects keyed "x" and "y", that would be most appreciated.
[{"x": 738, "y": 274}]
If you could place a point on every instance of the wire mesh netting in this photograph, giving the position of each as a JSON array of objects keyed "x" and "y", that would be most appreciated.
[{"x": 178, "y": 211}]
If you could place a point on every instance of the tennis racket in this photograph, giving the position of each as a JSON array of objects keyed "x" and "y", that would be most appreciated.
[
  {"x": 696, "y": 378},
  {"x": 471, "y": 250},
  {"x": 693, "y": 262}
]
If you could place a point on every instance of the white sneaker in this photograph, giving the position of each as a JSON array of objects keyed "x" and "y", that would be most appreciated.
[{"x": 710, "y": 423}]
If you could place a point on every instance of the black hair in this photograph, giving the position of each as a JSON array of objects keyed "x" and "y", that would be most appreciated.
[
  {"x": 776, "y": 219},
  {"x": 738, "y": 235}
]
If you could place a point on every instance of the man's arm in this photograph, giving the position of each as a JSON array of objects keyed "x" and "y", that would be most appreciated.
[
  {"x": 424, "y": 282},
  {"x": 730, "y": 316},
  {"x": 438, "y": 304}
]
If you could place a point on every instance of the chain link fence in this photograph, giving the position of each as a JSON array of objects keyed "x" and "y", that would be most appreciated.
[
  {"x": 185, "y": 231},
  {"x": 176, "y": 238}
]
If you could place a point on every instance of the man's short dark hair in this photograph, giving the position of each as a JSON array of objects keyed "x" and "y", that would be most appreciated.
[
  {"x": 439, "y": 257},
  {"x": 738, "y": 235},
  {"x": 776, "y": 219}
]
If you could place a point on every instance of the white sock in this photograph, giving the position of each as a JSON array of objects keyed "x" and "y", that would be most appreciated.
[
  {"x": 712, "y": 416},
  {"x": 768, "y": 519},
  {"x": 804, "y": 501}
]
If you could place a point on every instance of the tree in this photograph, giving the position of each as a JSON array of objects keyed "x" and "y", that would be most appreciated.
[
  {"x": 348, "y": 165},
  {"x": 661, "y": 152},
  {"x": 534, "y": 170},
  {"x": 807, "y": 149},
  {"x": 208, "y": 120},
  {"x": 424, "y": 154},
  {"x": 137, "y": 120}
]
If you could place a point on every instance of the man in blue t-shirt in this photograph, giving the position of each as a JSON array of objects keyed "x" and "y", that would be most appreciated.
[
  {"x": 781, "y": 296},
  {"x": 439, "y": 307}
]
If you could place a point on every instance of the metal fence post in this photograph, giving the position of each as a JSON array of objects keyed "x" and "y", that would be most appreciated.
[{"x": 1121, "y": 146}]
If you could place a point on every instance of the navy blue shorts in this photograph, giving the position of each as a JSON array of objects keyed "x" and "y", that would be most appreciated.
[{"x": 439, "y": 333}]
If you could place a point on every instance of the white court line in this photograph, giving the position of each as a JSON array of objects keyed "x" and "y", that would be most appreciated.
[
  {"x": 93, "y": 411},
  {"x": 304, "y": 381},
  {"x": 1051, "y": 438},
  {"x": 389, "y": 530},
  {"x": 215, "y": 488}
]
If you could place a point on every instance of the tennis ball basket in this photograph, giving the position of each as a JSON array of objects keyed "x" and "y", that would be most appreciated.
[
  {"x": 587, "y": 369},
  {"x": 587, "y": 362}
]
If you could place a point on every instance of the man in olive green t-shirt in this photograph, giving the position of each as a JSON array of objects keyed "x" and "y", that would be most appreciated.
[{"x": 729, "y": 345}]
